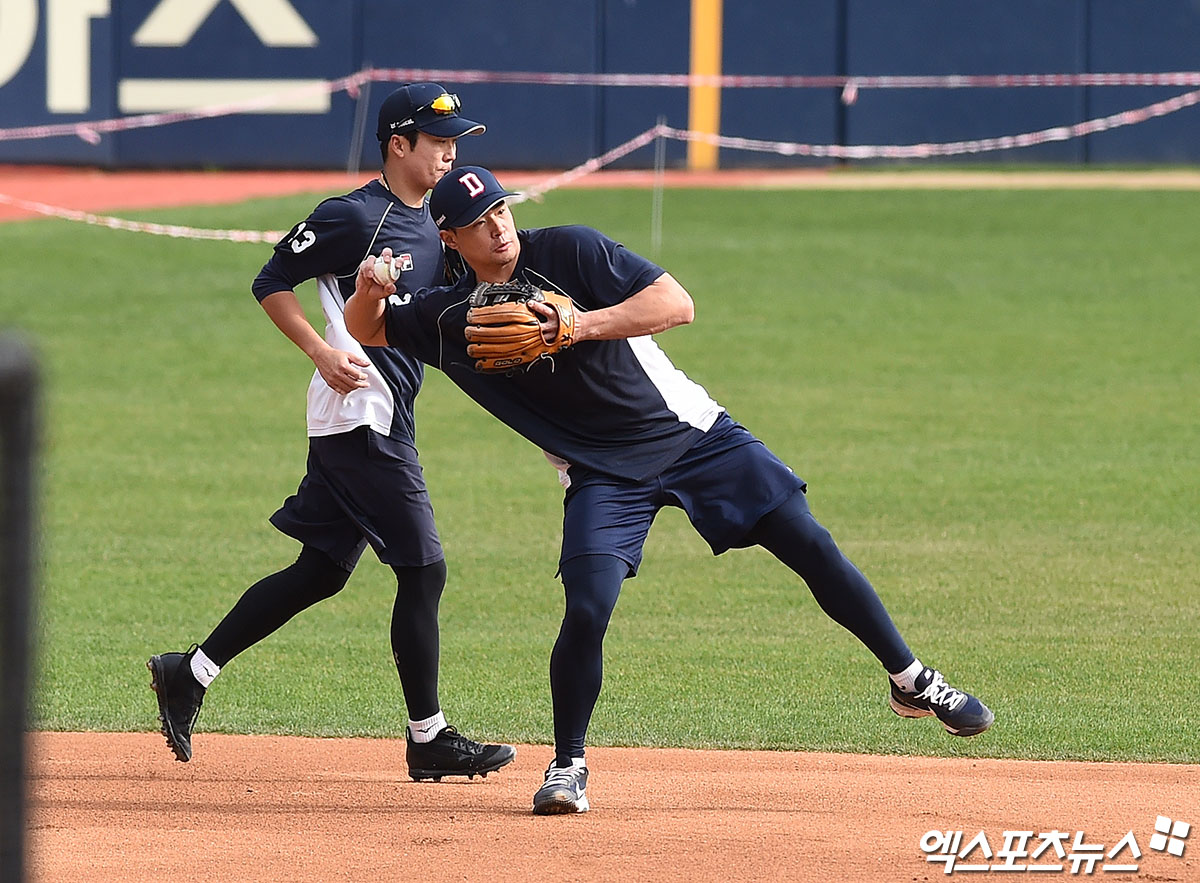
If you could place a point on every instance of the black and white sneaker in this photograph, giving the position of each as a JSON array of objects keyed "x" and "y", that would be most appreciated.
[
  {"x": 960, "y": 713},
  {"x": 564, "y": 791},
  {"x": 179, "y": 699},
  {"x": 450, "y": 753}
]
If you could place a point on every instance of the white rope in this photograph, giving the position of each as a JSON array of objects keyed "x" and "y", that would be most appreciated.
[
  {"x": 948, "y": 148},
  {"x": 175, "y": 230},
  {"x": 536, "y": 192},
  {"x": 92, "y": 130}
]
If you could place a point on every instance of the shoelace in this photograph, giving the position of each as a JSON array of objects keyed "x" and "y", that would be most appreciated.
[
  {"x": 938, "y": 692},
  {"x": 564, "y": 776},
  {"x": 459, "y": 741}
]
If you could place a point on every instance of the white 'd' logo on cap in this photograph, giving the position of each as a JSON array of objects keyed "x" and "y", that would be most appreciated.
[{"x": 474, "y": 186}]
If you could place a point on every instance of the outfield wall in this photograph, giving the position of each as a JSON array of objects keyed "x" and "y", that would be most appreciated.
[{"x": 69, "y": 61}]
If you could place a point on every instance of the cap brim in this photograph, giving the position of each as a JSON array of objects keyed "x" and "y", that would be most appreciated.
[
  {"x": 474, "y": 213},
  {"x": 453, "y": 127}
]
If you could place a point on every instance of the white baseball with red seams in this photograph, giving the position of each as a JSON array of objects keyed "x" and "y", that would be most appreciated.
[{"x": 385, "y": 270}]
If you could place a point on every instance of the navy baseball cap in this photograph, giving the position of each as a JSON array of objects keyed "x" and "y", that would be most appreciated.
[
  {"x": 427, "y": 107},
  {"x": 464, "y": 195}
]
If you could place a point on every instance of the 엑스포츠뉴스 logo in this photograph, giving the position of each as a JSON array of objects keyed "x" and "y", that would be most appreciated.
[{"x": 1049, "y": 851}]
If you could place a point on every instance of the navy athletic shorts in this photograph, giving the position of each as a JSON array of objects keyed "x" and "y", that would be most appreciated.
[
  {"x": 725, "y": 484},
  {"x": 362, "y": 487}
]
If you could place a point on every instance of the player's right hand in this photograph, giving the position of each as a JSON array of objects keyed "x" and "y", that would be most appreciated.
[
  {"x": 340, "y": 370},
  {"x": 366, "y": 283}
]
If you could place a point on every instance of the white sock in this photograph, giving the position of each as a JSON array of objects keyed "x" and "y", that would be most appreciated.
[
  {"x": 204, "y": 669},
  {"x": 907, "y": 680},
  {"x": 427, "y": 730}
]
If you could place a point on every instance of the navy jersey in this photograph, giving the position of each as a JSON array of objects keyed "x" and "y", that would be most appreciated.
[
  {"x": 328, "y": 246},
  {"x": 616, "y": 406}
]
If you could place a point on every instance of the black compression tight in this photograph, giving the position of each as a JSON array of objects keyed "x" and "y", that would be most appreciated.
[
  {"x": 592, "y": 583},
  {"x": 795, "y": 537},
  {"x": 415, "y": 644},
  {"x": 274, "y": 600}
]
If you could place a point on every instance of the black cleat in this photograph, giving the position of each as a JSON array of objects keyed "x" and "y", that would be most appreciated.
[
  {"x": 452, "y": 754},
  {"x": 960, "y": 712},
  {"x": 179, "y": 698}
]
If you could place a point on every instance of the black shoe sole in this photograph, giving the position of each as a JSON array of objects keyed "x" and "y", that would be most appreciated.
[
  {"x": 502, "y": 760},
  {"x": 182, "y": 753}
]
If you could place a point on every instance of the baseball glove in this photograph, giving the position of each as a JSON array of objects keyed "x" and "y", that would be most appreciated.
[{"x": 503, "y": 333}]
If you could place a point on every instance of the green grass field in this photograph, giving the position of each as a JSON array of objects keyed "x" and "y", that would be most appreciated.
[{"x": 993, "y": 395}]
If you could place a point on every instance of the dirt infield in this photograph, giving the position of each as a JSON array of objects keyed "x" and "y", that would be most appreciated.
[
  {"x": 119, "y": 808},
  {"x": 116, "y": 807}
]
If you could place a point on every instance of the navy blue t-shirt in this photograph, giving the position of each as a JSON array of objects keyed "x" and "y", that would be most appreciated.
[
  {"x": 616, "y": 406},
  {"x": 328, "y": 246}
]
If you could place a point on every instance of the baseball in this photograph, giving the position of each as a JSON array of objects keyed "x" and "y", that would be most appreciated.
[{"x": 385, "y": 271}]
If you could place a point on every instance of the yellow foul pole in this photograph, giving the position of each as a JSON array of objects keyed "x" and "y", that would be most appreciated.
[{"x": 704, "y": 102}]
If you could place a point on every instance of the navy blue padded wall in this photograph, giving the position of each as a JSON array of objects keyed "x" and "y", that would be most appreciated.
[
  {"x": 24, "y": 102},
  {"x": 1158, "y": 37},
  {"x": 929, "y": 37},
  {"x": 644, "y": 37},
  {"x": 225, "y": 46},
  {"x": 529, "y": 126},
  {"x": 780, "y": 38},
  {"x": 541, "y": 126}
]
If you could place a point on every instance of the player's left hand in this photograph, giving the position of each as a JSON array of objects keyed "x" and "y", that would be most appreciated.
[
  {"x": 511, "y": 325},
  {"x": 547, "y": 320}
]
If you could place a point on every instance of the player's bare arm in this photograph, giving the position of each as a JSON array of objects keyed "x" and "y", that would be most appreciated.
[
  {"x": 365, "y": 308},
  {"x": 662, "y": 304},
  {"x": 338, "y": 368}
]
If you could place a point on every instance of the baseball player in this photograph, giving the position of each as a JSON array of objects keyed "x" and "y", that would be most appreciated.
[
  {"x": 579, "y": 375},
  {"x": 363, "y": 484}
]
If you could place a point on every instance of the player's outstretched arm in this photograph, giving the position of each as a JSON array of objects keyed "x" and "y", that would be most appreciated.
[
  {"x": 338, "y": 368},
  {"x": 662, "y": 304},
  {"x": 364, "y": 311}
]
